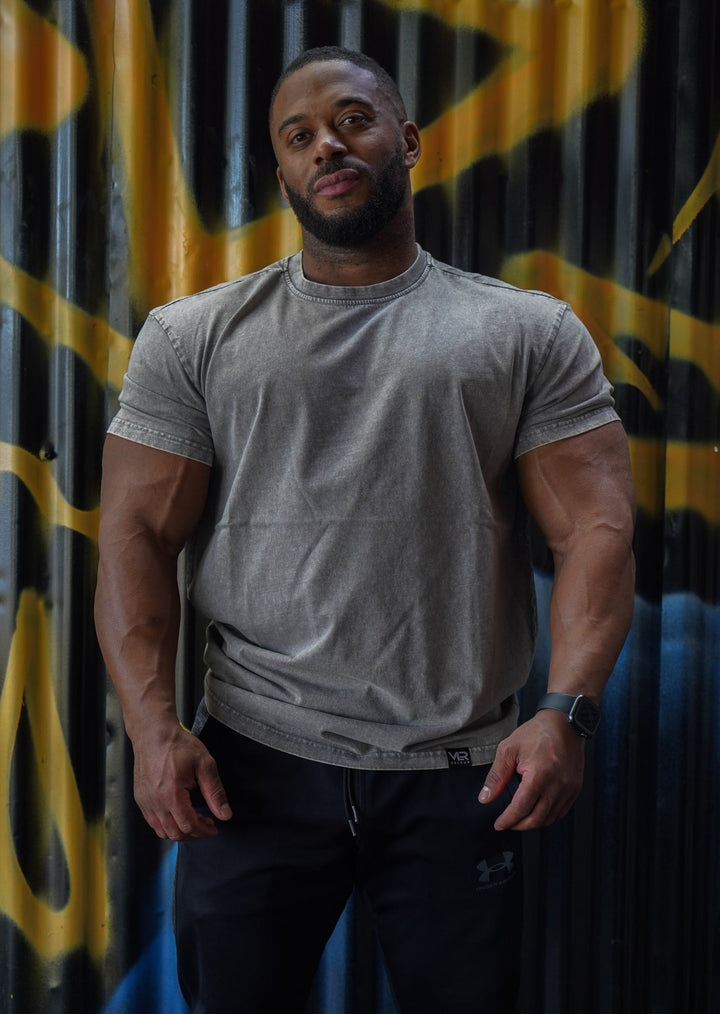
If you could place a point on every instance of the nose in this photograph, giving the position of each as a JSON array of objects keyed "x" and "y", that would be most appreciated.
[{"x": 328, "y": 145}]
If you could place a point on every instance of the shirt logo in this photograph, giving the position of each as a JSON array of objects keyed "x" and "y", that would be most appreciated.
[{"x": 459, "y": 758}]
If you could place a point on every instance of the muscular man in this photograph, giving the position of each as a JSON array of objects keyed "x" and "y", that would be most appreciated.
[{"x": 349, "y": 442}]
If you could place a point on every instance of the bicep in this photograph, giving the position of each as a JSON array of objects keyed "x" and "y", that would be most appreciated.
[
  {"x": 150, "y": 491},
  {"x": 579, "y": 483}
]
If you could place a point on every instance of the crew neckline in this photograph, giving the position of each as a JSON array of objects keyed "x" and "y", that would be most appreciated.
[{"x": 379, "y": 291}]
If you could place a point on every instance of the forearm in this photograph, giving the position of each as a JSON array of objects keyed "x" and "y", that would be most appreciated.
[
  {"x": 137, "y": 614},
  {"x": 590, "y": 613},
  {"x": 580, "y": 492},
  {"x": 151, "y": 503},
  {"x": 590, "y": 609}
]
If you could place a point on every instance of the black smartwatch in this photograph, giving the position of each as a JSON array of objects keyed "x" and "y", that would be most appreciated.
[{"x": 583, "y": 714}]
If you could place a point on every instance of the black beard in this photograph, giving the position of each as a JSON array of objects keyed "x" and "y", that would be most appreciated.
[{"x": 358, "y": 225}]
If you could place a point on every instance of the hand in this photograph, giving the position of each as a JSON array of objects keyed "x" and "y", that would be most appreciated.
[
  {"x": 549, "y": 756},
  {"x": 167, "y": 769}
]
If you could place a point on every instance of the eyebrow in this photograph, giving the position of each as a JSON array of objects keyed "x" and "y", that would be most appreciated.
[{"x": 347, "y": 100}]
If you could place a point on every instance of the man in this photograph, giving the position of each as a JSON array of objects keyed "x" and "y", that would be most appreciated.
[{"x": 349, "y": 440}]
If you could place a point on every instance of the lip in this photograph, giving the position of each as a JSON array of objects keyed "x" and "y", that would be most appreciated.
[{"x": 333, "y": 184}]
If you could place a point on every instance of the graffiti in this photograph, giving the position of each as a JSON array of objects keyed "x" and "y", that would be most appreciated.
[
  {"x": 35, "y": 475},
  {"x": 554, "y": 61},
  {"x": 547, "y": 75},
  {"x": 82, "y": 921},
  {"x": 708, "y": 185},
  {"x": 522, "y": 96},
  {"x": 171, "y": 253},
  {"x": 59, "y": 322},
  {"x": 43, "y": 79},
  {"x": 669, "y": 476}
]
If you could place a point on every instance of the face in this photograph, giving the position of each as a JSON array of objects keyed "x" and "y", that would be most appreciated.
[{"x": 343, "y": 153}]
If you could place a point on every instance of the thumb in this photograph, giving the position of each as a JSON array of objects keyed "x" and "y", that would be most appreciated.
[
  {"x": 213, "y": 790},
  {"x": 497, "y": 778}
]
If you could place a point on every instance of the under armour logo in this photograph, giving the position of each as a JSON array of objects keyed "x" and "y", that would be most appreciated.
[
  {"x": 496, "y": 871},
  {"x": 459, "y": 758}
]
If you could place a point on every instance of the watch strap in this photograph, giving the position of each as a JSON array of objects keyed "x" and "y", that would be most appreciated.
[
  {"x": 557, "y": 702},
  {"x": 582, "y": 712}
]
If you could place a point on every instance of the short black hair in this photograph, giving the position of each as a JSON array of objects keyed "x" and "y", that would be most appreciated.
[{"x": 323, "y": 54}]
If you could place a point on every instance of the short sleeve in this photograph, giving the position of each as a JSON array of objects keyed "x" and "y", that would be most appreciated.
[
  {"x": 569, "y": 394},
  {"x": 161, "y": 404}
]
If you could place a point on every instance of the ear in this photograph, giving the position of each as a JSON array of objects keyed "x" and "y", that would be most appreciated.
[
  {"x": 413, "y": 147},
  {"x": 281, "y": 181}
]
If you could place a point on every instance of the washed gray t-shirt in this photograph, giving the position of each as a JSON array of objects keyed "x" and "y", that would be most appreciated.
[{"x": 363, "y": 553}]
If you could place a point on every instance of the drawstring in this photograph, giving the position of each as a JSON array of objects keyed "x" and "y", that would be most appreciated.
[{"x": 351, "y": 812}]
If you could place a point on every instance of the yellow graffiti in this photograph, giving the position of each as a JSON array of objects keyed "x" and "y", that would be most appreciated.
[
  {"x": 609, "y": 310},
  {"x": 60, "y": 322},
  {"x": 647, "y": 458},
  {"x": 676, "y": 476},
  {"x": 707, "y": 186},
  {"x": 171, "y": 253},
  {"x": 559, "y": 56},
  {"x": 553, "y": 67},
  {"x": 668, "y": 476},
  {"x": 43, "y": 79},
  {"x": 37, "y": 477},
  {"x": 82, "y": 921},
  {"x": 693, "y": 479}
]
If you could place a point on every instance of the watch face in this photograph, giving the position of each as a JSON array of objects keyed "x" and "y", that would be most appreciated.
[{"x": 585, "y": 716}]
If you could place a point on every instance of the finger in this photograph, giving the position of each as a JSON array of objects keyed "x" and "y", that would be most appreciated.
[
  {"x": 521, "y": 808},
  {"x": 497, "y": 779},
  {"x": 201, "y": 827},
  {"x": 194, "y": 825},
  {"x": 213, "y": 791},
  {"x": 183, "y": 823},
  {"x": 192, "y": 821},
  {"x": 152, "y": 821},
  {"x": 563, "y": 807},
  {"x": 544, "y": 811},
  {"x": 162, "y": 825},
  {"x": 173, "y": 832}
]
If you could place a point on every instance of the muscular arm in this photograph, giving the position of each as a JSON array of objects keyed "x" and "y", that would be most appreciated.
[
  {"x": 150, "y": 504},
  {"x": 580, "y": 492}
]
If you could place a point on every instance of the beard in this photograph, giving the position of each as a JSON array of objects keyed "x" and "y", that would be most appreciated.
[{"x": 356, "y": 225}]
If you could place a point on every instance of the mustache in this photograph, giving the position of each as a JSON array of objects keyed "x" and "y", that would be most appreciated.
[{"x": 334, "y": 167}]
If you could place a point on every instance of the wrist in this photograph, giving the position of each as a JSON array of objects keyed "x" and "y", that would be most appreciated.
[
  {"x": 158, "y": 724},
  {"x": 580, "y": 710}
]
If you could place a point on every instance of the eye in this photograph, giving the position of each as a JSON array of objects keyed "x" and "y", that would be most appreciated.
[
  {"x": 352, "y": 119},
  {"x": 298, "y": 138}
]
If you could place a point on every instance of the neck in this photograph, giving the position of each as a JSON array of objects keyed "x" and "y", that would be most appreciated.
[{"x": 384, "y": 256}]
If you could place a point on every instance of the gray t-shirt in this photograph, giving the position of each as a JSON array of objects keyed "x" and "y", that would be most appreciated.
[{"x": 363, "y": 553}]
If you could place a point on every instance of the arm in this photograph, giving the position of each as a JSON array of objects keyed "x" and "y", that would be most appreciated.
[
  {"x": 150, "y": 504},
  {"x": 580, "y": 492}
]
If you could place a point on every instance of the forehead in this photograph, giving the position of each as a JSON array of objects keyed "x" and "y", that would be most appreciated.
[{"x": 324, "y": 84}]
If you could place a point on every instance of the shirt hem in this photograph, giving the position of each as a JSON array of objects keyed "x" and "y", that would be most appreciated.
[
  {"x": 552, "y": 432},
  {"x": 372, "y": 760},
  {"x": 158, "y": 440}
]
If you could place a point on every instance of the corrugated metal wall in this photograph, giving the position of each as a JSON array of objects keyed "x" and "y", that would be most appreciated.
[{"x": 570, "y": 145}]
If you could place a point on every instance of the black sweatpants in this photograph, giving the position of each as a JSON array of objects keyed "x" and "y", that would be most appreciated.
[{"x": 255, "y": 906}]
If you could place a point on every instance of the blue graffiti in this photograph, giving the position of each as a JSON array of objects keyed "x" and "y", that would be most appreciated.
[{"x": 150, "y": 987}]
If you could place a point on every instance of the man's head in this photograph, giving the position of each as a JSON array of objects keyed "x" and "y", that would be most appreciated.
[
  {"x": 323, "y": 54},
  {"x": 344, "y": 145}
]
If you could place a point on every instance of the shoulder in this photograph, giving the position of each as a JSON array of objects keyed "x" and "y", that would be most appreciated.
[
  {"x": 528, "y": 303},
  {"x": 218, "y": 301}
]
